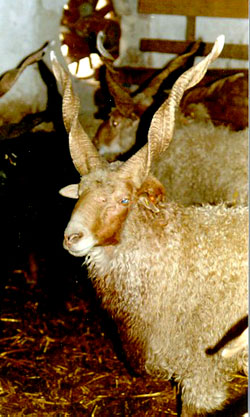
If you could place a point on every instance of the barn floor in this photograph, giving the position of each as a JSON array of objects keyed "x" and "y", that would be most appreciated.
[
  {"x": 59, "y": 352},
  {"x": 57, "y": 358}
]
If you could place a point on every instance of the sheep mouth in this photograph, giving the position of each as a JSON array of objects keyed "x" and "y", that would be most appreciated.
[{"x": 78, "y": 252}]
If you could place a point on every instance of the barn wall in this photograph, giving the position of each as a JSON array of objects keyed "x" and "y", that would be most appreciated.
[
  {"x": 25, "y": 26},
  {"x": 136, "y": 26}
]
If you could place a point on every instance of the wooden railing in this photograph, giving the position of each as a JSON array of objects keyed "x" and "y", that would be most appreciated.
[{"x": 192, "y": 9}]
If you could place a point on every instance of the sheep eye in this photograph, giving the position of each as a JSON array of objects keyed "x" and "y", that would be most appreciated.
[
  {"x": 125, "y": 201},
  {"x": 114, "y": 123}
]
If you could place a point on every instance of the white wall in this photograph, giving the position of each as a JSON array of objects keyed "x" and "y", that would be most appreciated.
[{"x": 25, "y": 26}]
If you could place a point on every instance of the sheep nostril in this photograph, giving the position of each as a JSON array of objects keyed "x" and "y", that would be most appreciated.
[{"x": 73, "y": 238}]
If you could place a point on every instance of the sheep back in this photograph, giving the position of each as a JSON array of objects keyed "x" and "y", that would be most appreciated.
[{"x": 205, "y": 164}]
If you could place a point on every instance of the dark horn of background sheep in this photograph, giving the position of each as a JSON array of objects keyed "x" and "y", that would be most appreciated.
[
  {"x": 117, "y": 135},
  {"x": 8, "y": 79},
  {"x": 52, "y": 113},
  {"x": 142, "y": 97},
  {"x": 173, "y": 278}
]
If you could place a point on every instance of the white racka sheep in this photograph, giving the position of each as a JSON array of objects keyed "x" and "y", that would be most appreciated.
[
  {"x": 205, "y": 163},
  {"x": 173, "y": 278}
]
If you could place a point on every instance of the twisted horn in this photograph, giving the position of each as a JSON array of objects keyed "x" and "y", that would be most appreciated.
[
  {"x": 101, "y": 48},
  {"x": 162, "y": 125},
  {"x": 8, "y": 78},
  {"x": 153, "y": 86},
  {"x": 83, "y": 153},
  {"x": 123, "y": 101}
]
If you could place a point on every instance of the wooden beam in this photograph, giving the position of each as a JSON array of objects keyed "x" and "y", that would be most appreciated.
[
  {"x": 231, "y": 51},
  {"x": 191, "y": 27},
  {"x": 209, "y": 8},
  {"x": 138, "y": 76}
]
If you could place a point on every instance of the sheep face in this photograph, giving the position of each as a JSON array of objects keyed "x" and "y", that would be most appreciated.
[
  {"x": 99, "y": 213},
  {"x": 116, "y": 135},
  {"x": 103, "y": 205}
]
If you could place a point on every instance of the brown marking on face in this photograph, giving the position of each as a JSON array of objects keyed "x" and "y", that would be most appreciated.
[
  {"x": 104, "y": 209},
  {"x": 113, "y": 216},
  {"x": 108, "y": 228}
]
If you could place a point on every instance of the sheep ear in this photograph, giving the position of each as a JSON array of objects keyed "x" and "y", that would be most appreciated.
[
  {"x": 70, "y": 191},
  {"x": 151, "y": 193}
]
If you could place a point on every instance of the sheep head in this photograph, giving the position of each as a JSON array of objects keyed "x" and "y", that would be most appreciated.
[
  {"x": 105, "y": 198},
  {"x": 107, "y": 192},
  {"x": 116, "y": 135},
  {"x": 99, "y": 213}
]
